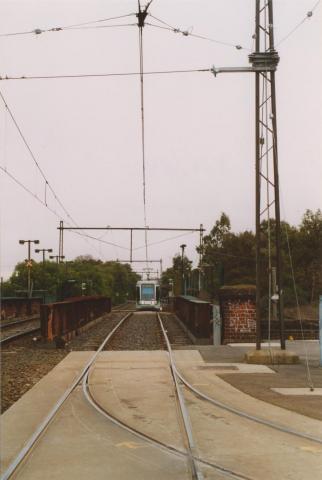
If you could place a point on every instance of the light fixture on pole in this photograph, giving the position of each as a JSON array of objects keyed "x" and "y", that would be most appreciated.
[
  {"x": 43, "y": 250},
  {"x": 58, "y": 258},
  {"x": 29, "y": 263}
]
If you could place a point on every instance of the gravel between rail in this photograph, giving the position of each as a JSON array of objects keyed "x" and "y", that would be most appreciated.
[
  {"x": 16, "y": 329},
  {"x": 26, "y": 361}
]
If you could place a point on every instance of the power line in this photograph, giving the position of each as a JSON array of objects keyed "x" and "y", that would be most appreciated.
[
  {"x": 34, "y": 159},
  {"x": 308, "y": 16},
  {"x": 35, "y": 196},
  {"x": 43, "y": 203},
  {"x": 38, "y": 31},
  {"x": 188, "y": 33},
  {"x": 103, "y": 26},
  {"x": 100, "y": 240},
  {"x": 165, "y": 240},
  {"x": 116, "y": 74},
  {"x": 100, "y": 20}
]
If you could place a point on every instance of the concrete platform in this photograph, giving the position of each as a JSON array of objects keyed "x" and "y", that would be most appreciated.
[{"x": 137, "y": 388}]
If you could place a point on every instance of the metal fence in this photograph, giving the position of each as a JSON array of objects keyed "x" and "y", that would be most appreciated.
[
  {"x": 195, "y": 314},
  {"x": 68, "y": 318},
  {"x": 17, "y": 307}
]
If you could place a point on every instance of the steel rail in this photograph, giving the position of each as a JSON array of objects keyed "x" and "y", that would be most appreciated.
[
  {"x": 246, "y": 415},
  {"x": 124, "y": 311},
  {"x": 161, "y": 445},
  {"x": 17, "y": 322},
  {"x": 18, "y": 335},
  {"x": 47, "y": 420},
  {"x": 196, "y": 473},
  {"x": 89, "y": 397},
  {"x": 243, "y": 414},
  {"x": 117, "y": 308},
  {"x": 124, "y": 307},
  {"x": 220, "y": 468}
]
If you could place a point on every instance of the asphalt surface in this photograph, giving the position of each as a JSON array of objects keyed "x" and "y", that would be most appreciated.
[{"x": 287, "y": 376}]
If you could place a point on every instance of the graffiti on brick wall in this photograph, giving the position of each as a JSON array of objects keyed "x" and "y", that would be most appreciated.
[{"x": 239, "y": 320}]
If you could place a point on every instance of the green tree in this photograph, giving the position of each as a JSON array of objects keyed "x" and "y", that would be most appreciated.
[
  {"x": 230, "y": 257},
  {"x": 83, "y": 276},
  {"x": 173, "y": 275}
]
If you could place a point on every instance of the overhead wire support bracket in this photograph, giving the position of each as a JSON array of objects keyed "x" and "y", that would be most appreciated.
[
  {"x": 146, "y": 228},
  {"x": 261, "y": 62}
]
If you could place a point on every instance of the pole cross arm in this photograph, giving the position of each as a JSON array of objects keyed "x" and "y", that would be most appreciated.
[
  {"x": 147, "y": 228},
  {"x": 261, "y": 62}
]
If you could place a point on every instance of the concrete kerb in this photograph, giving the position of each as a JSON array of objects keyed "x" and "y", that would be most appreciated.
[{"x": 272, "y": 356}]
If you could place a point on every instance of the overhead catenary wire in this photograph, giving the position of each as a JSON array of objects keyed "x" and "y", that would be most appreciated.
[
  {"x": 100, "y": 240},
  {"x": 34, "y": 159},
  {"x": 95, "y": 27},
  {"x": 111, "y": 74},
  {"x": 44, "y": 202},
  {"x": 188, "y": 33},
  {"x": 30, "y": 192},
  {"x": 165, "y": 240},
  {"x": 53, "y": 211},
  {"x": 38, "y": 31},
  {"x": 308, "y": 16},
  {"x": 166, "y": 26},
  {"x": 141, "y": 73}
]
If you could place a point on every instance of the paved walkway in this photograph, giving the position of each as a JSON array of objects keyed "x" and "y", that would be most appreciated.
[{"x": 283, "y": 376}]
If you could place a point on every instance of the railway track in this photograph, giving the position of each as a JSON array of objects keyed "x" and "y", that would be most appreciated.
[
  {"x": 124, "y": 307},
  {"x": 195, "y": 461},
  {"x": 4, "y": 325},
  {"x": 11, "y": 331}
]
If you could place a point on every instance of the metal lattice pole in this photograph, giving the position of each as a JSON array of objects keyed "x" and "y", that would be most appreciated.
[{"x": 264, "y": 60}]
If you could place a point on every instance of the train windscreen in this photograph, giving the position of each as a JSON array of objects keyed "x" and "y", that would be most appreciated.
[{"x": 147, "y": 292}]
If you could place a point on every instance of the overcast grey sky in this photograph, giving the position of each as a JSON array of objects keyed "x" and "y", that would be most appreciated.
[{"x": 85, "y": 133}]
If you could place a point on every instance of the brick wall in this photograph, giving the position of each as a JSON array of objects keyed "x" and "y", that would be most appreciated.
[{"x": 238, "y": 312}]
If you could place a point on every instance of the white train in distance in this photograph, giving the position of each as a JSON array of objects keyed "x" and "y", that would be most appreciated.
[{"x": 148, "y": 295}]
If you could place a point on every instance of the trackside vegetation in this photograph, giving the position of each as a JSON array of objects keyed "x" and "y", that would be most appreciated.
[
  {"x": 229, "y": 259},
  {"x": 82, "y": 276}
]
